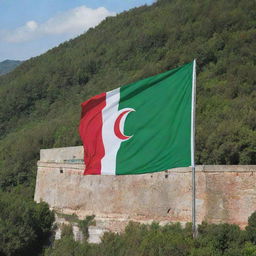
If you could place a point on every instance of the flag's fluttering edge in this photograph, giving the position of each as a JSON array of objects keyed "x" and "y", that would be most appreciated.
[{"x": 140, "y": 127}]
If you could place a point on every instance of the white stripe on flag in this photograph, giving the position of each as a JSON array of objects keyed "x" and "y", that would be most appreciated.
[{"x": 110, "y": 141}]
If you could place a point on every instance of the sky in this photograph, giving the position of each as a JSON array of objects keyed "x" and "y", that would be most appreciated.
[{"x": 29, "y": 28}]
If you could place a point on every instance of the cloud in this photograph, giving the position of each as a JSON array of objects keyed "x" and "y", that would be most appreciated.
[
  {"x": 32, "y": 25},
  {"x": 72, "y": 22}
]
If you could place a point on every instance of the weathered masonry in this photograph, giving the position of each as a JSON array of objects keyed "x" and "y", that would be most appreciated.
[{"x": 224, "y": 193}]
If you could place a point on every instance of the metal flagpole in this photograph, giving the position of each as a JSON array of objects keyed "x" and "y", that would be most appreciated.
[{"x": 193, "y": 115}]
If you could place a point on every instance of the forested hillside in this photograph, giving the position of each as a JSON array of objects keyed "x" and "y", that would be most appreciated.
[
  {"x": 8, "y": 65},
  {"x": 40, "y": 100}
]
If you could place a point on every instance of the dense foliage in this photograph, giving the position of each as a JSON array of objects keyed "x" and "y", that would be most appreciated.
[
  {"x": 40, "y": 102},
  {"x": 8, "y": 65},
  {"x": 25, "y": 226},
  {"x": 172, "y": 239}
]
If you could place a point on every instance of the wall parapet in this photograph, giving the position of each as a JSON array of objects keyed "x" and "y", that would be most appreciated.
[{"x": 225, "y": 193}]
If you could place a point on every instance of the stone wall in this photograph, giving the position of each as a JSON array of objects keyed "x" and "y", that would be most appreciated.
[{"x": 224, "y": 193}]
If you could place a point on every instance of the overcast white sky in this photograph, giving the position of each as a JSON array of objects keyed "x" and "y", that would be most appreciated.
[{"x": 29, "y": 28}]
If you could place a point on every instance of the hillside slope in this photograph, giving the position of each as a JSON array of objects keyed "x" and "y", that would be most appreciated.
[
  {"x": 7, "y": 66},
  {"x": 40, "y": 100}
]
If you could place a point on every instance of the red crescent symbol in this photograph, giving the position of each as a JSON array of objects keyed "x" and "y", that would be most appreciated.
[{"x": 117, "y": 130}]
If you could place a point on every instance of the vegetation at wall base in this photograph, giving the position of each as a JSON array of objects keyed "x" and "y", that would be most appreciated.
[
  {"x": 40, "y": 99},
  {"x": 83, "y": 225},
  {"x": 25, "y": 226},
  {"x": 172, "y": 239}
]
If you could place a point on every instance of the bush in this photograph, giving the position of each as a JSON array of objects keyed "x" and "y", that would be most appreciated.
[
  {"x": 25, "y": 227},
  {"x": 155, "y": 240},
  {"x": 251, "y": 228},
  {"x": 221, "y": 238}
]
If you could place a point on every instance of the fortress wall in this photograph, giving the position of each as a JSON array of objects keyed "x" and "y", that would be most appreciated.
[{"x": 224, "y": 193}]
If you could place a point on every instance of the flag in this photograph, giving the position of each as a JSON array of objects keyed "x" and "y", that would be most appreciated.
[{"x": 141, "y": 127}]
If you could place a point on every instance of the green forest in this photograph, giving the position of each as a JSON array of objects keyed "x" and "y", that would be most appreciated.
[{"x": 40, "y": 99}]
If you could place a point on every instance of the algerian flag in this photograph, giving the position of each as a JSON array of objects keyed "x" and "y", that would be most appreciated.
[{"x": 140, "y": 127}]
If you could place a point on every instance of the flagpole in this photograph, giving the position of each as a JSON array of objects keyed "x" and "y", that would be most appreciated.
[{"x": 193, "y": 115}]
